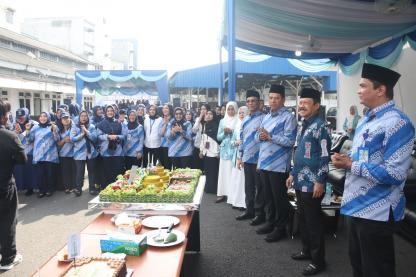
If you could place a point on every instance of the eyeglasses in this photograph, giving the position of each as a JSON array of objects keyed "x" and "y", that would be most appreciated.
[
  {"x": 251, "y": 100},
  {"x": 178, "y": 113}
]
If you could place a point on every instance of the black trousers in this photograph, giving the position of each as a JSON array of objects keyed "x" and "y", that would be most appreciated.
[
  {"x": 211, "y": 166},
  {"x": 46, "y": 172},
  {"x": 276, "y": 200},
  {"x": 130, "y": 161},
  {"x": 311, "y": 226},
  {"x": 371, "y": 247},
  {"x": 8, "y": 221},
  {"x": 197, "y": 162},
  {"x": 181, "y": 162},
  {"x": 112, "y": 166},
  {"x": 154, "y": 154},
  {"x": 67, "y": 172},
  {"x": 80, "y": 173},
  {"x": 164, "y": 158},
  {"x": 254, "y": 190}
]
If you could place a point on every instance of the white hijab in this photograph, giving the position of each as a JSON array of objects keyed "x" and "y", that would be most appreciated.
[
  {"x": 231, "y": 121},
  {"x": 238, "y": 125}
]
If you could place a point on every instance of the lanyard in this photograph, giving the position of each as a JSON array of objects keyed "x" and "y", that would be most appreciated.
[{"x": 152, "y": 122}]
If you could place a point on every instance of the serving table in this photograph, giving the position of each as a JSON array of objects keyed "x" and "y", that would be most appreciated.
[{"x": 166, "y": 261}]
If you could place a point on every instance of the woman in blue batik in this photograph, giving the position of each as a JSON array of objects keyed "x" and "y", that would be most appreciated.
[
  {"x": 111, "y": 138},
  {"x": 84, "y": 137},
  {"x": 167, "y": 114},
  {"x": 66, "y": 154},
  {"x": 133, "y": 142},
  {"x": 180, "y": 140},
  {"x": 25, "y": 175},
  {"x": 45, "y": 152},
  {"x": 225, "y": 133}
]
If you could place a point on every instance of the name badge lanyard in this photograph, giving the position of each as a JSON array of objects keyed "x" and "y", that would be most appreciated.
[{"x": 152, "y": 122}]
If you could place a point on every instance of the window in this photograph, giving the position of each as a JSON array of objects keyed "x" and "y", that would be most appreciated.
[
  {"x": 37, "y": 106},
  {"x": 48, "y": 56},
  {"x": 4, "y": 95},
  {"x": 61, "y": 23},
  {"x": 54, "y": 105},
  {"x": 22, "y": 48},
  {"x": 24, "y": 100}
]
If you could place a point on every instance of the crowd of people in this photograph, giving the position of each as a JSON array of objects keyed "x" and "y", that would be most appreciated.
[{"x": 250, "y": 158}]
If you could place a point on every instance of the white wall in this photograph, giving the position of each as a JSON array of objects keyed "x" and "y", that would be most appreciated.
[{"x": 404, "y": 91}]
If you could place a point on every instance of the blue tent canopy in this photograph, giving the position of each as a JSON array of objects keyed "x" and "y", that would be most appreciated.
[
  {"x": 209, "y": 77},
  {"x": 127, "y": 82}
]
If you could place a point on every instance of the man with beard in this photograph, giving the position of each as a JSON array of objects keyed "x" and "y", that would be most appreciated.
[{"x": 309, "y": 175}]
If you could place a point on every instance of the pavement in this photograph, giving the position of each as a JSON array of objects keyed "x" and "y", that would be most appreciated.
[{"x": 228, "y": 247}]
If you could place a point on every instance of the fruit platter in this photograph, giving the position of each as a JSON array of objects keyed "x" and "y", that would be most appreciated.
[{"x": 154, "y": 185}]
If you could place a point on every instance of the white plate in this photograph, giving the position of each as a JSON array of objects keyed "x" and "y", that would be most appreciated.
[
  {"x": 162, "y": 221},
  {"x": 151, "y": 234}
]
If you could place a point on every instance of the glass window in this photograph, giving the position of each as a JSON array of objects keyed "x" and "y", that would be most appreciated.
[{"x": 37, "y": 106}]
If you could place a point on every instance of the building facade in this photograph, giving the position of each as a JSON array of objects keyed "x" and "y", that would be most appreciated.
[
  {"x": 125, "y": 51},
  {"x": 37, "y": 75}
]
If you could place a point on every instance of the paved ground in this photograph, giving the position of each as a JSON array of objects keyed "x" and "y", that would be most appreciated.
[{"x": 229, "y": 247}]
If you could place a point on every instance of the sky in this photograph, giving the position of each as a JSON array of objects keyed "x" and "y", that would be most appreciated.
[{"x": 172, "y": 34}]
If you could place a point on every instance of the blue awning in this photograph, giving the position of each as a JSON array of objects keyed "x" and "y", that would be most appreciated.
[{"x": 209, "y": 76}]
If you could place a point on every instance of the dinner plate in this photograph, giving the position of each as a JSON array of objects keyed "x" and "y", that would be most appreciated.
[
  {"x": 151, "y": 234},
  {"x": 160, "y": 221}
]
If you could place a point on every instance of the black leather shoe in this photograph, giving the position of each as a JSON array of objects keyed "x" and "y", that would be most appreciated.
[
  {"x": 312, "y": 269},
  {"x": 265, "y": 229},
  {"x": 244, "y": 216},
  {"x": 29, "y": 192},
  {"x": 301, "y": 256},
  {"x": 257, "y": 220},
  {"x": 77, "y": 192},
  {"x": 40, "y": 195},
  {"x": 276, "y": 235},
  {"x": 220, "y": 199}
]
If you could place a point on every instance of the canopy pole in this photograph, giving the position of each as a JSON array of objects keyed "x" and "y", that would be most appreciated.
[
  {"x": 79, "y": 85},
  {"x": 231, "y": 49},
  {"x": 221, "y": 84}
]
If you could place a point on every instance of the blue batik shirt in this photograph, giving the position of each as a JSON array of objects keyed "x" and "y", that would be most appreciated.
[
  {"x": 165, "y": 140},
  {"x": 25, "y": 140},
  {"x": 80, "y": 143},
  {"x": 226, "y": 147},
  {"x": 104, "y": 150},
  {"x": 381, "y": 155},
  {"x": 180, "y": 145},
  {"x": 248, "y": 151},
  {"x": 133, "y": 141},
  {"x": 44, "y": 140},
  {"x": 312, "y": 155},
  {"x": 66, "y": 150},
  {"x": 276, "y": 153}
]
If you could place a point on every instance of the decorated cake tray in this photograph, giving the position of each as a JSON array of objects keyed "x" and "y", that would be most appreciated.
[
  {"x": 153, "y": 189},
  {"x": 153, "y": 185}
]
